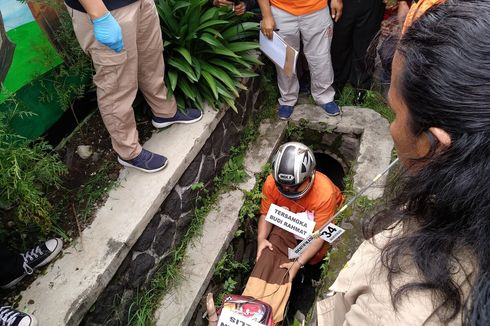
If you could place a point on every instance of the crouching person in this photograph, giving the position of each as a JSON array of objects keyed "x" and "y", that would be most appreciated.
[{"x": 296, "y": 186}]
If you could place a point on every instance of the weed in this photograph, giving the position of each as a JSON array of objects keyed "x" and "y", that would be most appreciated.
[
  {"x": 270, "y": 91},
  {"x": 376, "y": 102},
  {"x": 373, "y": 100},
  {"x": 296, "y": 132},
  {"x": 197, "y": 186},
  {"x": 228, "y": 287},
  {"x": 28, "y": 170}
]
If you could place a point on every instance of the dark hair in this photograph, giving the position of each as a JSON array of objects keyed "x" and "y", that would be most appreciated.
[{"x": 444, "y": 206}]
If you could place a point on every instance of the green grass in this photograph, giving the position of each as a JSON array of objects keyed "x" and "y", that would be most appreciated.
[{"x": 374, "y": 100}]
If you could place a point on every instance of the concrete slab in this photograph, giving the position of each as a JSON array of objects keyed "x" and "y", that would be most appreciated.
[
  {"x": 74, "y": 281},
  {"x": 201, "y": 257},
  {"x": 270, "y": 136},
  {"x": 179, "y": 304}
]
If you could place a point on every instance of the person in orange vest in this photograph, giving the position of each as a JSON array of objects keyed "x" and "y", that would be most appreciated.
[{"x": 308, "y": 21}]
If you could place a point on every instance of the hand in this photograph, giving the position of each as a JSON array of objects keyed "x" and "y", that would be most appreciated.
[
  {"x": 211, "y": 310},
  {"x": 267, "y": 25},
  {"x": 261, "y": 245},
  {"x": 386, "y": 28},
  {"x": 240, "y": 9},
  {"x": 108, "y": 32},
  {"x": 293, "y": 268},
  {"x": 336, "y": 8},
  {"x": 222, "y": 3}
]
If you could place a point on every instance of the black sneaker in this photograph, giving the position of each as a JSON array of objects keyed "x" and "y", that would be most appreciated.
[
  {"x": 146, "y": 161},
  {"x": 189, "y": 115},
  {"x": 12, "y": 317},
  {"x": 36, "y": 257}
]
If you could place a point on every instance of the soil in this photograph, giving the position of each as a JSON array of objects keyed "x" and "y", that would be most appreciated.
[
  {"x": 84, "y": 171},
  {"x": 72, "y": 211},
  {"x": 84, "y": 187}
]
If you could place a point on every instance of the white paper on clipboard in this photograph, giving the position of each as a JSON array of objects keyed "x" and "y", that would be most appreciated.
[{"x": 276, "y": 49}]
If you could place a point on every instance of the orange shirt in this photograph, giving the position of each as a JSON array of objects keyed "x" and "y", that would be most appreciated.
[
  {"x": 301, "y": 7},
  {"x": 322, "y": 200},
  {"x": 417, "y": 10}
]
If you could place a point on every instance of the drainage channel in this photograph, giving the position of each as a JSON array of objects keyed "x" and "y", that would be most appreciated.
[{"x": 357, "y": 144}]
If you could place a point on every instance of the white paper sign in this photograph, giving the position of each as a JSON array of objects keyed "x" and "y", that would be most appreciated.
[
  {"x": 275, "y": 49},
  {"x": 231, "y": 318},
  {"x": 289, "y": 221},
  {"x": 331, "y": 232}
]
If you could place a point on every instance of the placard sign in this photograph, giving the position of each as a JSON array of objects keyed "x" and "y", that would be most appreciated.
[
  {"x": 231, "y": 318},
  {"x": 289, "y": 221},
  {"x": 331, "y": 232}
]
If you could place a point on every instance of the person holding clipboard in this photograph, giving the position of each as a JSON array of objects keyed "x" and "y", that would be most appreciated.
[{"x": 309, "y": 21}]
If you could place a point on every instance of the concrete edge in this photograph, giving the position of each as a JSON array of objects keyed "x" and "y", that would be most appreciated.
[{"x": 75, "y": 280}]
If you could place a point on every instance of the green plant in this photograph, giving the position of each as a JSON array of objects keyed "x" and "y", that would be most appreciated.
[
  {"x": 373, "y": 100},
  {"x": 228, "y": 287},
  {"x": 296, "y": 132},
  {"x": 206, "y": 52},
  {"x": 28, "y": 169}
]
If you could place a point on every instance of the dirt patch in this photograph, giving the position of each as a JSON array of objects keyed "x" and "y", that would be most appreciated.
[{"x": 84, "y": 188}]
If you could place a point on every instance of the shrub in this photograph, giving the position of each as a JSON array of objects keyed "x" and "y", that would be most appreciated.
[
  {"x": 205, "y": 52},
  {"x": 27, "y": 169}
]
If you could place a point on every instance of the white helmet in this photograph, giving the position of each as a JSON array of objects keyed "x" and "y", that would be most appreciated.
[{"x": 293, "y": 164}]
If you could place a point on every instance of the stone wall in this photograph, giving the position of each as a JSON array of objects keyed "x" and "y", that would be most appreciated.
[{"x": 168, "y": 226}]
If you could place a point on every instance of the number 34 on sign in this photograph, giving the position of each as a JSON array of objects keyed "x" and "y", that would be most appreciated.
[{"x": 331, "y": 232}]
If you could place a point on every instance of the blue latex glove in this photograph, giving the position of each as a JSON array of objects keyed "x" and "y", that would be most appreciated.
[{"x": 108, "y": 32}]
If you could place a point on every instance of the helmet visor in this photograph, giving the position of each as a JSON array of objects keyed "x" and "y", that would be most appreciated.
[{"x": 293, "y": 191}]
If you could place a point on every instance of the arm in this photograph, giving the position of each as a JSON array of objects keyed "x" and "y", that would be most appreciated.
[
  {"x": 267, "y": 24},
  {"x": 106, "y": 29},
  {"x": 311, "y": 251},
  {"x": 403, "y": 9},
  {"x": 94, "y": 8}
]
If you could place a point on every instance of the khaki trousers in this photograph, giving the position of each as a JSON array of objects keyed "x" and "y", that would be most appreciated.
[
  {"x": 316, "y": 31},
  {"x": 119, "y": 75}
]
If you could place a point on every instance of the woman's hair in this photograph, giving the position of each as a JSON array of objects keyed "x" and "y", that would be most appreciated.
[{"x": 444, "y": 206}]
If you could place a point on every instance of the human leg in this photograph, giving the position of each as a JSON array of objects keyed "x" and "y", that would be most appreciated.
[
  {"x": 316, "y": 33},
  {"x": 303, "y": 290},
  {"x": 289, "y": 30},
  {"x": 11, "y": 266},
  {"x": 115, "y": 77},
  {"x": 150, "y": 62},
  {"x": 342, "y": 43},
  {"x": 366, "y": 27}
]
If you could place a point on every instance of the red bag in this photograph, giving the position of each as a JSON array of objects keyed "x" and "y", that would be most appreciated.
[{"x": 248, "y": 307}]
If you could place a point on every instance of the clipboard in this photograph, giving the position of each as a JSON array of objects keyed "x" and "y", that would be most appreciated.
[{"x": 282, "y": 54}]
